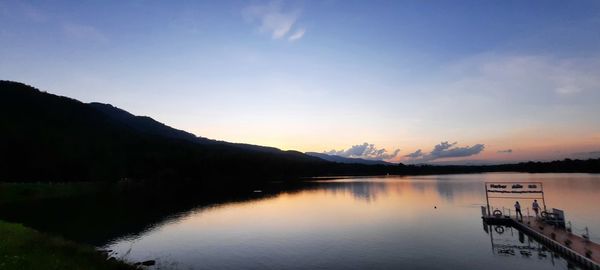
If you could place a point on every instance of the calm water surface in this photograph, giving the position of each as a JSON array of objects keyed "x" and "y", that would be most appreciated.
[{"x": 420, "y": 222}]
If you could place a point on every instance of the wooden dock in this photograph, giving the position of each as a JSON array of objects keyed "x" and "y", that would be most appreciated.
[{"x": 574, "y": 247}]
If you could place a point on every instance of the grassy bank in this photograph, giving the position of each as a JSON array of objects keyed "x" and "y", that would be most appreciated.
[{"x": 25, "y": 248}]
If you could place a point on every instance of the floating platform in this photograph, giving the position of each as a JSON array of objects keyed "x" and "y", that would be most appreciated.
[{"x": 574, "y": 247}]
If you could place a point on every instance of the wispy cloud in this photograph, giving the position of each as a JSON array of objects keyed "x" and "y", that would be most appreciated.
[
  {"x": 297, "y": 35},
  {"x": 445, "y": 150},
  {"x": 85, "y": 32},
  {"x": 496, "y": 93},
  {"x": 365, "y": 151},
  {"x": 522, "y": 74},
  {"x": 273, "y": 19}
]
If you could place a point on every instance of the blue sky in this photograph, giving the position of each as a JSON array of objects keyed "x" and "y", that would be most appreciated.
[{"x": 328, "y": 75}]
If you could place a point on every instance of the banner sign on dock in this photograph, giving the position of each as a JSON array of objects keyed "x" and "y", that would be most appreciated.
[
  {"x": 530, "y": 187},
  {"x": 514, "y": 190}
]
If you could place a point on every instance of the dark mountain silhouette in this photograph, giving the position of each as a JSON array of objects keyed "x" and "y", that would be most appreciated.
[
  {"x": 340, "y": 159},
  {"x": 144, "y": 124},
  {"x": 45, "y": 137},
  {"x": 48, "y": 137},
  {"x": 147, "y": 125}
]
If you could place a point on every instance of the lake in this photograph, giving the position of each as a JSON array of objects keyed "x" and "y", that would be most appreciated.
[{"x": 412, "y": 222}]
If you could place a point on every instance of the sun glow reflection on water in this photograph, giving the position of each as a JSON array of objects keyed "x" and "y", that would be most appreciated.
[{"x": 424, "y": 222}]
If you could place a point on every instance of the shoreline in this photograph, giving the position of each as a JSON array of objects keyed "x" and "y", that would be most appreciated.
[{"x": 24, "y": 248}]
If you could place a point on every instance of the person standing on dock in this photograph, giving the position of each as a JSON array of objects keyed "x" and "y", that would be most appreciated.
[
  {"x": 518, "y": 210},
  {"x": 536, "y": 207}
]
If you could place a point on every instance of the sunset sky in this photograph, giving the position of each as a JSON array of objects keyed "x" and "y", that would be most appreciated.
[{"x": 457, "y": 80}]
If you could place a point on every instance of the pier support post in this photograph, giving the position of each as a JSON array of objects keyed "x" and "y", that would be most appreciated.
[{"x": 487, "y": 199}]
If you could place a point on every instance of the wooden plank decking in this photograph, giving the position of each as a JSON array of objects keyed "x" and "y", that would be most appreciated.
[{"x": 575, "y": 247}]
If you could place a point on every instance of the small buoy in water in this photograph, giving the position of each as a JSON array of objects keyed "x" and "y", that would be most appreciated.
[{"x": 257, "y": 191}]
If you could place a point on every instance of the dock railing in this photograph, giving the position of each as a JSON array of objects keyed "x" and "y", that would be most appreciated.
[
  {"x": 563, "y": 239},
  {"x": 582, "y": 232}
]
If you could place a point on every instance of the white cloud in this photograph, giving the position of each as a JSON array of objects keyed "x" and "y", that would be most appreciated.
[
  {"x": 445, "y": 150},
  {"x": 272, "y": 19},
  {"x": 297, "y": 35},
  {"x": 365, "y": 151},
  {"x": 415, "y": 154}
]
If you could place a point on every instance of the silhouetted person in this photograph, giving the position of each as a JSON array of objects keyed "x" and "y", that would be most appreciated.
[
  {"x": 518, "y": 210},
  {"x": 536, "y": 207}
]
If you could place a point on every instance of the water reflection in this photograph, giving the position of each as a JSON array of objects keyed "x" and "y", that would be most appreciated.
[
  {"x": 512, "y": 244},
  {"x": 120, "y": 210},
  {"x": 369, "y": 189},
  {"x": 360, "y": 189},
  {"x": 424, "y": 222},
  {"x": 352, "y": 223},
  {"x": 574, "y": 193}
]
